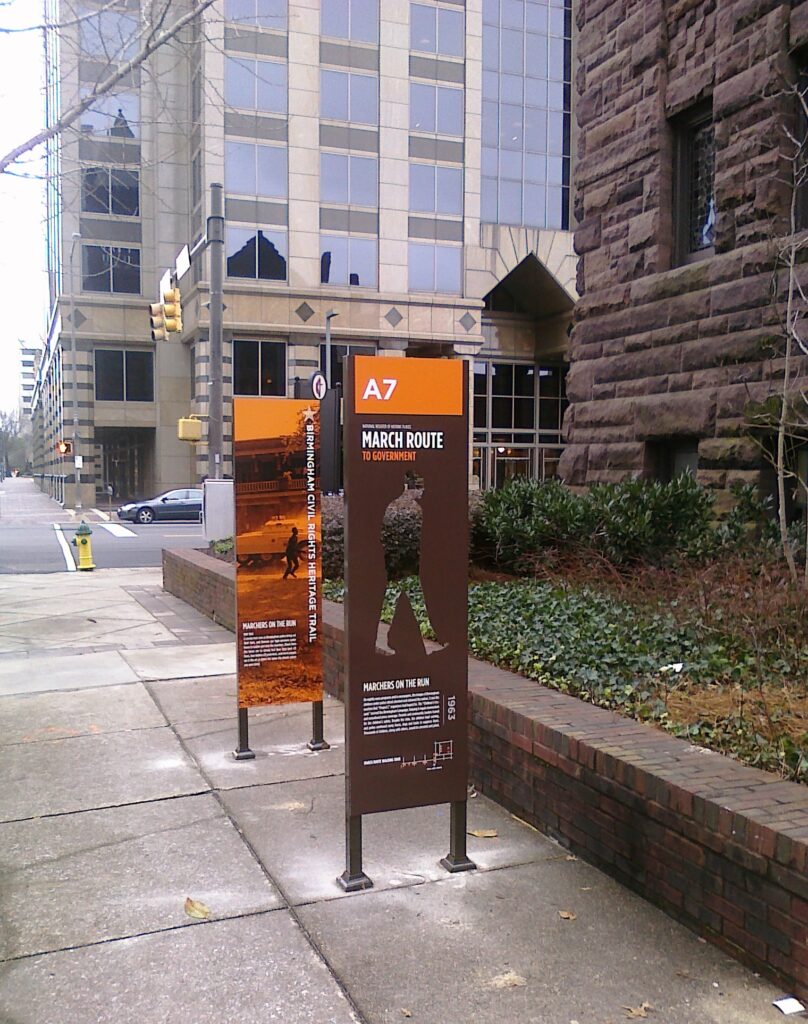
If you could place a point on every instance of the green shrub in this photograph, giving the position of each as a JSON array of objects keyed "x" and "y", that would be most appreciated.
[
  {"x": 401, "y": 536},
  {"x": 630, "y": 522}
]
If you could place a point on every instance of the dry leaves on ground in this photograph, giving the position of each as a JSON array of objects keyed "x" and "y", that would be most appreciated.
[
  {"x": 483, "y": 833},
  {"x": 567, "y": 915},
  {"x": 508, "y": 980},
  {"x": 196, "y": 909},
  {"x": 635, "y": 1012}
]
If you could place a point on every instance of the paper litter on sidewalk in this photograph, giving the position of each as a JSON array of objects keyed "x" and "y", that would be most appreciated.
[{"x": 788, "y": 1004}]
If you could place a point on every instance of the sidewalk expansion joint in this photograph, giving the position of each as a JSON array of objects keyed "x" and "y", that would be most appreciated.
[
  {"x": 31, "y": 740},
  {"x": 310, "y": 939},
  {"x": 141, "y": 935},
  {"x": 106, "y": 807}
]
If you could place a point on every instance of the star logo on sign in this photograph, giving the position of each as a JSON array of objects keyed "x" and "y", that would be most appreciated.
[{"x": 309, "y": 414}]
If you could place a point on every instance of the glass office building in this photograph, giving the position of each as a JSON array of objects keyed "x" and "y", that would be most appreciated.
[{"x": 405, "y": 165}]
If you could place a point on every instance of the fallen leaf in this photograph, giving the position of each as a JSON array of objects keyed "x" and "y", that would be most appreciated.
[
  {"x": 196, "y": 909},
  {"x": 508, "y": 980},
  {"x": 570, "y": 856},
  {"x": 635, "y": 1012},
  {"x": 525, "y": 823},
  {"x": 586, "y": 888},
  {"x": 406, "y": 1013},
  {"x": 567, "y": 915},
  {"x": 483, "y": 833},
  {"x": 471, "y": 792}
]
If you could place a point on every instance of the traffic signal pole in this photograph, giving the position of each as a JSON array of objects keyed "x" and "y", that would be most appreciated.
[{"x": 215, "y": 242}]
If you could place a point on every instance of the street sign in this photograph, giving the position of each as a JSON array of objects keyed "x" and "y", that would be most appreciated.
[
  {"x": 182, "y": 264},
  {"x": 318, "y": 385}
]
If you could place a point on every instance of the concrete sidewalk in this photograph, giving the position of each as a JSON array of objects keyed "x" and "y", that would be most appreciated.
[
  {"x": 122, "y": 800},
  {"x": 111, "y": 626}
]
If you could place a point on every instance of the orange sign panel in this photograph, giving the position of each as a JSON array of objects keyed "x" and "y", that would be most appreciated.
[
  {"x": 278, "y": 571},
  {"x": 408, "y": 387}
]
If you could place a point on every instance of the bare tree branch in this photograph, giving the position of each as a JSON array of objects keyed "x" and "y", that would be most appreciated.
[{"x": 153, "y": 42}]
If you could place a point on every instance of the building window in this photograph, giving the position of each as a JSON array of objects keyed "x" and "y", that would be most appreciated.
[
  {"x": 349, "y": 180},
  {"x": 124, "y": 376},
  {"x": 357, "y": 20},
  {"x": 255, "y": 170},
  {"x": 338, "y": 354},
  {"x": 674, "y": 458},
  {"x": 257, "y": 254},
  {"x": 116, "y": 115},
  {"x": 526, "y": 108},
  {"x": 255, "y": 84},
  {"x": 434, "y": 108},
  {"x": 107, "y": 34},
  {"x": 263, "y": 13},
  {"x": 694, "y": 190},
  {"x": 518, "y": 411},
  {"x": 348, "y": 259},
  {"x": 109, "y": 268},
  {"x": 435, "y": 189},
  {"x": 259, "y": 368},
  {"x": 112, "y": 190},
  {"x": 437, "y": 30},
  {"x": 348, "y": 97},
  {"x": 435, "y": 268}
]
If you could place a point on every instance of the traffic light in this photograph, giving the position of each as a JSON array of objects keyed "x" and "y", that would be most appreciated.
[
  {"x": 158, "y": 322},
  {"x": 166, "y": 315},
  {"x": 172, "y": 311},
  {"x": 64, "y": 447}
]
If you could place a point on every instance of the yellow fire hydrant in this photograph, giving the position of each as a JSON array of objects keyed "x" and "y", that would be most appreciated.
[{"x": 85, "y": 548}]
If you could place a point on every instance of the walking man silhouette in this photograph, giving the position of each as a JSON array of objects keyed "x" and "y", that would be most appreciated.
[{"x": 292, "y": 555}]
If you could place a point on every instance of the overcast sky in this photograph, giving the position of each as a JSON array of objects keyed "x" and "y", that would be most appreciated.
[{"x": 23, "y": 267}]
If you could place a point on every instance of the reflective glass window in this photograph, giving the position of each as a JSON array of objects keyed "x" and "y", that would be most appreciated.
[
  {"x": 255, "y": 170},
  {"x": 348, "y": 180},
  {"x": 526, "y": 108},
  {"x": 436, "y": 109},
  {"x": 345, "y": 96},
  {"x": 116, "y": 115},
  {"x": 264, "y": 13},
  {"x": 255, "y": 84},
  {"x": 108, "y": 34},
  {"x": 257, "y": 254},
  {"x": 348, "y": 260},
  {"x": 350, "y": 19},
  {"x": 437, "y": 30},
  {"x": 435, "y": 268}
]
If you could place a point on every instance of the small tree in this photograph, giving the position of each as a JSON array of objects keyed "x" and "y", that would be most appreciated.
[{"x": 783, "y": 415}]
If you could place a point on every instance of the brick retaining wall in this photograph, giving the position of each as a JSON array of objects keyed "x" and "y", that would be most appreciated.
[
  {"x": 717, "y": 845},
  {"x": 205, "y": 583}
]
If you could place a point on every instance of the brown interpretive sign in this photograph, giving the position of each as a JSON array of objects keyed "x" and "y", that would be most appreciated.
[
  {"x": 406, "y": 429},
  {"x": 278, "y": 563}
]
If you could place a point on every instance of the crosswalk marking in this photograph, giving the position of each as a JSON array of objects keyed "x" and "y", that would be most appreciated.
[
  {"x": 117, "y": 530},
  {"x": 68, "y": 557}
]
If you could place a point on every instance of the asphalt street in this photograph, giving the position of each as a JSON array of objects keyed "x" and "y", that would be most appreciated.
[{"x": 36, "y": 534}]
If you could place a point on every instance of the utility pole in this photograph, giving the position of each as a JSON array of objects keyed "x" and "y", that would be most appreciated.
[
  {"x": 215, "y": 241},
  {"x": 74, "y": 380}
]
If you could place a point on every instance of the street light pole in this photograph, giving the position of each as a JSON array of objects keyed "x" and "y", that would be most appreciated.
[
  {"x": 215, "y": 240},
  {"x": 328, "y": 318},
  {"x": 74, "y": 380}
]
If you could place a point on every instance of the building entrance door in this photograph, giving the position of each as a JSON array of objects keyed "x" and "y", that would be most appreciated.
[{"x": 510, "y": 463}]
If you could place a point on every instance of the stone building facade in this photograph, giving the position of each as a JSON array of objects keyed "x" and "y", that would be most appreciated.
[{"x": 682, "y": 199}]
